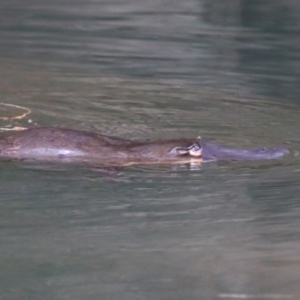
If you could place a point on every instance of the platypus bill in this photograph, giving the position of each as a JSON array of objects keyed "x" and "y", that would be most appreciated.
[{"x": 67, "y": 145}]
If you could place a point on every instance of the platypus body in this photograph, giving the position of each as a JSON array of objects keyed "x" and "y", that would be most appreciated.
[{"x": 67, "y": 145}]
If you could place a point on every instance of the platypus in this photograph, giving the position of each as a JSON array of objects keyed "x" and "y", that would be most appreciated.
[{"x": 68, "y": 145}]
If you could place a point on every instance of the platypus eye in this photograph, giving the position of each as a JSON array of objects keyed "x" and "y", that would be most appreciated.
[
  {"x": 195, "y": 150},
  {"x": 179, "y": 151}
]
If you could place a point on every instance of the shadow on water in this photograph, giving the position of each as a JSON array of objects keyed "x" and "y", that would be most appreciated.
[{"x": 226, "y": 230}]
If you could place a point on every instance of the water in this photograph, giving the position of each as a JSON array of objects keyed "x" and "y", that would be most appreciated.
[{"x": 147, "y": 71}]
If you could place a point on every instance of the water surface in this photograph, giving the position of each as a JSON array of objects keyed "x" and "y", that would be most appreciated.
[{"x": 222, "y": 230}]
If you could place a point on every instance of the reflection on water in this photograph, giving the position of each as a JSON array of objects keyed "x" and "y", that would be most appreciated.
[
  {"x": 171, "y": 234},
  {"x": 237, "y": 44},
  {"x": 225, "y": 230}
]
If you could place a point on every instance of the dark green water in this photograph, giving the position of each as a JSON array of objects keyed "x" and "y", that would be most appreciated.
[{"x": 227, "y": 72}]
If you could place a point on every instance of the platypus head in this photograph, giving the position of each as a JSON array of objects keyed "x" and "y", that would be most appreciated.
[{"x": 167, "y": 151}]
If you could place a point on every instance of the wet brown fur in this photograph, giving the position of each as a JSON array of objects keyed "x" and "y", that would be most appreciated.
[{"x": 58, "y": 144}]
